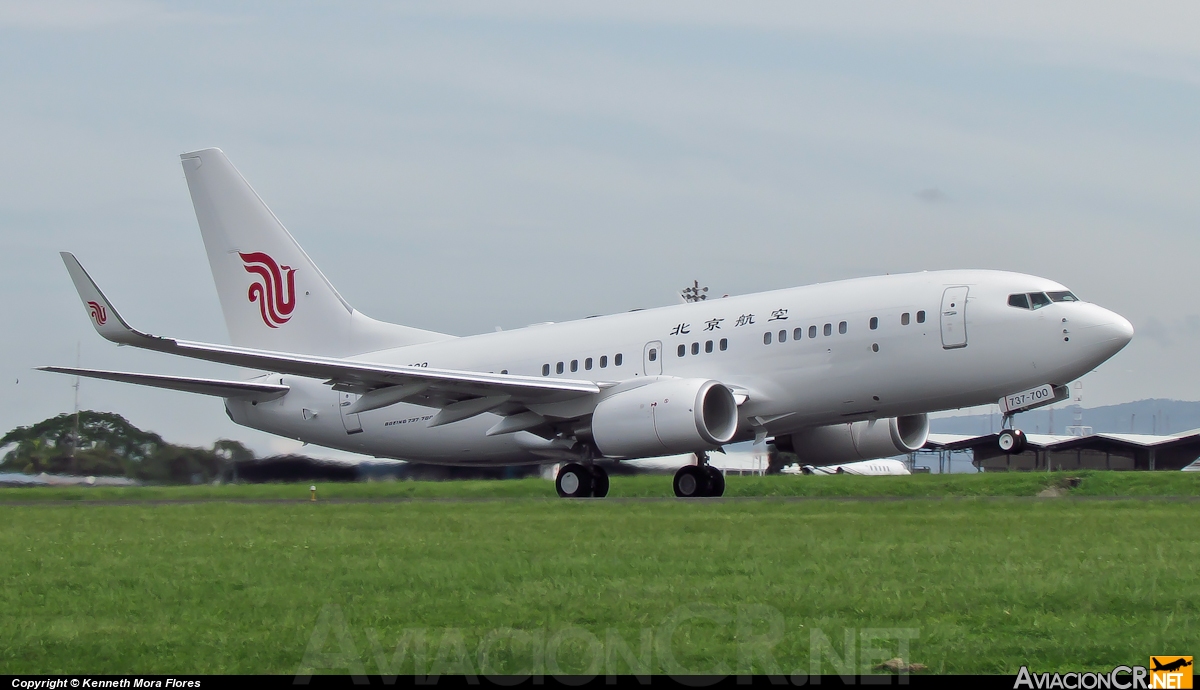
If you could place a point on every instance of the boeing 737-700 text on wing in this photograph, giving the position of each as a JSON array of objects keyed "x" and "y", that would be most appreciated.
[{"x": 836, "y": 372}]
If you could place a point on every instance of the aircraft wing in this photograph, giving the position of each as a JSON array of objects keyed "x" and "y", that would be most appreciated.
[
  {"x": 380, "y": 384},
  {"x": 217, "y": 387}
]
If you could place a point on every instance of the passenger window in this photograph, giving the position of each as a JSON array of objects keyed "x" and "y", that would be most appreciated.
[
  {"x": 1038, "y": 299},
  {"x": 904, "y": 319},
  {"x": 574, "y": 365},
  {"x": 1064, "y": 296},
  {"x": 724, "y": 344},
  {"x": 681, "y": 350},
  {"x": 617, "y": 360},
  {"x": 1019, "y": 301},
  {"x": 812, "y": 331},
  {"x": 921, "y": 317},
  {"x": 653, "y": 354},
  {"x": 545, "y": 370},
  {"x": 559, "y": 367},
  {"x": 842, "y": 328},
  {"x": 874, "y": 322},
  {"x": 695, "y": 348},
  {"x": 603, "y": 361},
  {"x": 783, "y": 336},
  {"x": 708, "y": 346},
  {"x": 587, "y": 364},
  {"x": 767, "y": 338},
  {"x": 798, "y": 334},
  {"x": 828, "y": 329}
]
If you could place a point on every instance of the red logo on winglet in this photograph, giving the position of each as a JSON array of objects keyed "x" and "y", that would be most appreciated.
[
  {"x": 97, "y": 312},
  {"x": 275, "y": 300}
]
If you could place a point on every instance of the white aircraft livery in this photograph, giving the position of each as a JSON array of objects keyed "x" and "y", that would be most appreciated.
[
  {"x": 866, "y": 468},
  {"x": 836, "y": 372}
]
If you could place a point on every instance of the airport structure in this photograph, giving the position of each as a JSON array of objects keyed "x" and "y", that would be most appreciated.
[{"x": 1083, "y": 452}]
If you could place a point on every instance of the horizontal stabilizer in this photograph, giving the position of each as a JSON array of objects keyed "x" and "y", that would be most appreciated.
[{"x": 217, "y": 387}]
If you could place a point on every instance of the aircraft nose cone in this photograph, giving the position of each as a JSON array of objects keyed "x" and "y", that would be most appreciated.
[
  {"x": 1122, "y": 329},
  {"x": 1111, "y": 332}
]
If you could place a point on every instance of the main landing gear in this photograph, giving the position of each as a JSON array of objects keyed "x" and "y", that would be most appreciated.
[
  {"x": 699, "y": 480},
  {"x": 1010, "y": 440},
  {"x": 576, "y": 480}
]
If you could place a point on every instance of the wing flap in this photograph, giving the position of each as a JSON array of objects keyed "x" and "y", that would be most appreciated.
[{"x": 217, "y": 387}]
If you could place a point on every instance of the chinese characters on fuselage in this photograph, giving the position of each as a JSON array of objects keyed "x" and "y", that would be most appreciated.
[{"x": 714, "y": 324}]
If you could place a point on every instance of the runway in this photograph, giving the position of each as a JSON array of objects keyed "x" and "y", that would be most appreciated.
[{"x": 630, "y": 499}]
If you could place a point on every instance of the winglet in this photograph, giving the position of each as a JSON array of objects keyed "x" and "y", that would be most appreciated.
[{"x": 104, "y": 317}]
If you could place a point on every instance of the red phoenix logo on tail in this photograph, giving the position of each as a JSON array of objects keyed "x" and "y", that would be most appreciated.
[
  {"x": 97, "y": 312},
  {"x": 275, "y": 300}
]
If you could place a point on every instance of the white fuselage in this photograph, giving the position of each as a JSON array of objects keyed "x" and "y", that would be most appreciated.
[
  {"x": 880, "y": 467},
  {"x": 958, "y": 355}
]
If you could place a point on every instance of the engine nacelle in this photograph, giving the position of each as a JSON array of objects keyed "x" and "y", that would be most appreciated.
[
  {"x": 866, "y": 440},
  {"x": 665, "y": 417}
]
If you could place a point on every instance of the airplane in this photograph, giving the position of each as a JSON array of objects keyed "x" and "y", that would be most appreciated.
[
  {"x": 868, "y": 468},
  {"x": 834, "y": 372},
  {"x": 755, "y": 460},
  {"x": 1181, "y": 662}
]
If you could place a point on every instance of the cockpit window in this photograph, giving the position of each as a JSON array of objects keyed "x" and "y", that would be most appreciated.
[{"x": 1038, "y": 299}]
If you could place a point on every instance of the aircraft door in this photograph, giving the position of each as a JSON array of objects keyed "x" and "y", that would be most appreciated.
[
  {"x": 954, "y": 317},
  {"x": 652, "y": 358},
  {"x": 350, "y": 421}
]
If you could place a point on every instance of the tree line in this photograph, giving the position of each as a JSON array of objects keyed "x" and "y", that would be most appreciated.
[{"x": 106, "y": 444}]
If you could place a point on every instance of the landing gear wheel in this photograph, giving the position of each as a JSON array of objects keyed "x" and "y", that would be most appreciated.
[
  {"x": 599, "y": 481},
  {"x": 1011, "y": 441},
  {"x": 716, "y": 482},
  {"x": 691, "y": 481},
  {"x": 573, "y": 481}
]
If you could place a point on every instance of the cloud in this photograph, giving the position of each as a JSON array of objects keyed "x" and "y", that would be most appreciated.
[
  {"x": 932, "y": 196},
  {"x": 752, "y": 146},
  {"x": 84, "y": 15}
]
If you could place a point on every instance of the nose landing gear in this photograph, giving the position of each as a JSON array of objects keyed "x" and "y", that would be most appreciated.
[{"x": 1010, "y": 440}]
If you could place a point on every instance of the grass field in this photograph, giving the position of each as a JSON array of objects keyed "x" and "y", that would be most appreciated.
[
  {"x": 1130, "y": 484},
  {"x": 529, "y": 583}
]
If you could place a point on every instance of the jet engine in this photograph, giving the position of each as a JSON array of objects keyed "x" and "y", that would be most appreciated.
[
  {"x": 866, "y": 440},
  {"x": 665, "y": 417}
]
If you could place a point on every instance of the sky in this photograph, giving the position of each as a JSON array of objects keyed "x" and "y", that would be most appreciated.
[{"x": 460, "y": 166}]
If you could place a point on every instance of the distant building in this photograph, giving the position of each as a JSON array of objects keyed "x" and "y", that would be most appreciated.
[{"x": 1092, "y": 452}]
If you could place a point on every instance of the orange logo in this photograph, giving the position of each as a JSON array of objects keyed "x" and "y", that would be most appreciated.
[{"x": 1171, "y": 672}]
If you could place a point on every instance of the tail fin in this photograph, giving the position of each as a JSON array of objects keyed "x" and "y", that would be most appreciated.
[{"x": 272, "y": 294}]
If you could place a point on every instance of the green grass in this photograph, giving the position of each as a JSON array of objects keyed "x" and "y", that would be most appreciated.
[
  {"x": 645, "y": 486},
  {"x": 240, "y": 587}
]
